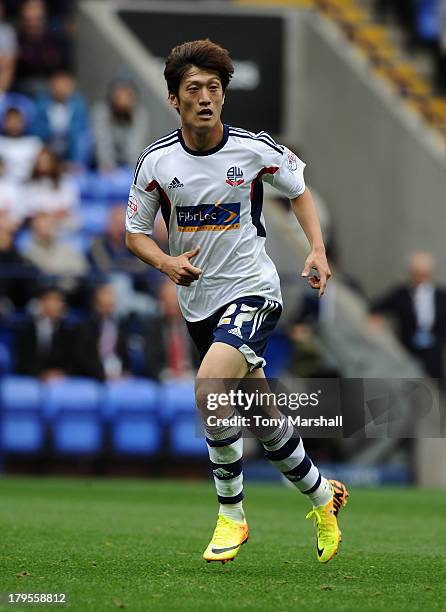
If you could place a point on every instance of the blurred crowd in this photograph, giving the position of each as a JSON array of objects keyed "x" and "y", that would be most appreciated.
[
  {"x": 424, "y": 24},
  {"x": 73, "y": 300}
]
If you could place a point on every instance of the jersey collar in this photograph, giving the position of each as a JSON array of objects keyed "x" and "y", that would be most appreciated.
[{"x": 220, "y": 145}]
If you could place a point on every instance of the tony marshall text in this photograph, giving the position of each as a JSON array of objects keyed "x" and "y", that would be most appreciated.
[{"x": 296, "y": 421}]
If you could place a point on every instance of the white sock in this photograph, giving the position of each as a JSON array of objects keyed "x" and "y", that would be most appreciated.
[
  {"x": 322, "y": 494},
  {"x": 233, "y": 511}
]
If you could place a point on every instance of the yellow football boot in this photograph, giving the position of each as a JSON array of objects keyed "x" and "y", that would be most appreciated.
[
  {"x": 325, "y": 518},
  {"x": 228, "y": 536}
]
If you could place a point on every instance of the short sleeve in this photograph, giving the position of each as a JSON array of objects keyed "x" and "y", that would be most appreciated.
[
  {"x": 285, "y": 172},
  {"x": 142, "y": 206}
]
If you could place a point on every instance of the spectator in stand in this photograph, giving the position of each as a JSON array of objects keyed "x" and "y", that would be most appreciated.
[
  {"x": 101, "y": 347},
  {"x": 49, "y": 190},
  {"x": 42, "y": 51},
  {"x": 18, "y": 150},
  {"x": 24, "y": 104},
  {"x": 52, "y": 257},
  {"x": 418, "y": 308},
  {"x": 59, "y": 11},
  {"x": 168, "y": 349},
  {"x": 62, "y": 120},
  {"x": 133, "y": 280},
  {"x": 44, "y": 344},
  {"x": 12, "y": 202},
  {"x": 8, "y": 51},
  {"x": 121, "y": 127},
  {"x": 16, "y": 278},
  {"x": 61, "y": 14},
  {"x": 109, "y": 252}
]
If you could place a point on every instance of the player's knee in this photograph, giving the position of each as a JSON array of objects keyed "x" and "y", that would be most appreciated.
[
  {"x": 205, "y": 393},
  {"x": 211, "y": 397},
  {"x": 200, "y": 394}
]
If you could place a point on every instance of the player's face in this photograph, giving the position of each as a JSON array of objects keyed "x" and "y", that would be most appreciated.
[{"x": 200, "y": 99}]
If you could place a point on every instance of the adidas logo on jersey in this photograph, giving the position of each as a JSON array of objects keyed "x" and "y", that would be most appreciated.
[
  {"x": 236, "y": 331},
  {"x": 175, "y": 184}
]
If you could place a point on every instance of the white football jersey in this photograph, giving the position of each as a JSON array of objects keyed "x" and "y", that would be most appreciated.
[{"x": 214, "y": 199}]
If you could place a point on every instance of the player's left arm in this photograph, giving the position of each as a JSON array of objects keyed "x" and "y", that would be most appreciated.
[
  {"x": 285, "y": 171},
  {"x": 306, "y": 214}
]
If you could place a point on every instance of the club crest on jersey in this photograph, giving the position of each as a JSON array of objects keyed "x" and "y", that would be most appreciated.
[
  {"x": 234, "y": 176},
  {"x": 132, "y": 207}
]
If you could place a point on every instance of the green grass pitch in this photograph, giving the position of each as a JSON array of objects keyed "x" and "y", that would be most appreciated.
[{"x": 137, "y": 545}]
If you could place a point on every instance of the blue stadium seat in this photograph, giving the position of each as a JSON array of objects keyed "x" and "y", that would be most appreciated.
[
  {"x": 186, "y": 436},
  {"x": 131, "y": 408},
  {"x": 91, "y": 187},
  {"x": 117, "y": 184},
  {"x": 73, "y": 408},
  {"x": 22, "y": 427},
  {"x": 132, "y": 393},
  {"x": 112, "y": 187},
  {"x": 177, "y": 397},
  {"x": 136, "y": 433},
  {"x": 7, "y": 342},
  {"x": 180, "y": 413},
  {"x": 6, "y": 361}
]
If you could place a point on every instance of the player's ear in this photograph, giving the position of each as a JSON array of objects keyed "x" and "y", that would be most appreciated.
[{"x": 173, "y": 101}]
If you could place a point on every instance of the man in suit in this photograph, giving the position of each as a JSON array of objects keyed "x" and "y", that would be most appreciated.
[
  {"x": 419, "y": 310},
  {"x": 44, "y": 342},
  {"x": 101, "y": 346}
]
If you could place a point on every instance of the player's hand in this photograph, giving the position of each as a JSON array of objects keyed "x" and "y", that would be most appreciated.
[
  {"x": 180, "y": 270},
  {"x": 317, "y": 260}
]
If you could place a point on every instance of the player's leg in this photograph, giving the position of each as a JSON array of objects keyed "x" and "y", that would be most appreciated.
[
  {"x": 285, "y": 449},
  {"x": 225, "y": 445},
  {"x": 222, "y": 365},
  {"x": 228, "y": 355}
]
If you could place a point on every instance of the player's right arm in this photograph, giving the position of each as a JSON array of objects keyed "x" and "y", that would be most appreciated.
[
  {"x": 142, "y": 208},
  {"x": 179, "y": 269}
]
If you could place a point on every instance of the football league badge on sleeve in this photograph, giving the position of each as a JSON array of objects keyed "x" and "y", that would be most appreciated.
[
  {"x": 292, "y": 161},
  {"x": 234, "y": 176},
  {"x": 132, "y": 207}
]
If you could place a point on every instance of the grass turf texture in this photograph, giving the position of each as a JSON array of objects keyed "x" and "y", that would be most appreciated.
[{"x": 113, "y": 544}]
